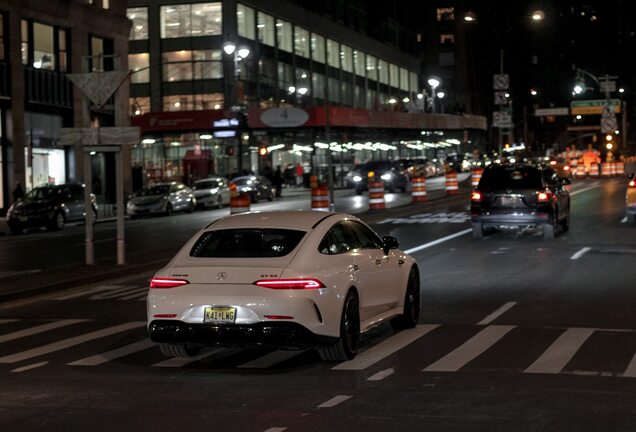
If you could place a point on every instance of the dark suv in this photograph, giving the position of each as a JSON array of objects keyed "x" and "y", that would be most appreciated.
[
  {"x": 520, "y": 196},
  {"x": 392, "y": 173}
]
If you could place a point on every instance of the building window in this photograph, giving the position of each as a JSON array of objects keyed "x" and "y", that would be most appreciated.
[
  {"x": 97, "y": 50},
  {"x": 447, "y": 39},
  {"x": 24, "y": 30},
  {"x": 1, "y": 37},
  {"x": 199, "y": 19},
  {"x": 346, "y": 93},
  {"x": 383, "y": 71},
  {"x": 62, "y": 53},
  {"x": 285, "y": 76},
  {"x": 414, "y": 84},
  {"x": 317, "y": 48},
  {"x": 372, "y": 68},
  {"x": 207, "y": 64},
  {"x": 359, "y": 63},
  {"x": 139, "y": 63},
  {"x": 284, "y": 35},
  {"x": 334, "y": 90},
  {"x": 346, "y": 58},
  {"x": 195, "y": 102},
  {"x": 372, "y": 100},
  {"x": 301, "y": 42},
  {"x": 177, "y": 65},
  {"x": 139, "y": 106},
  {"x": 404, "y": 79},
  {"x": 358, "y": 97},
  {"x": 446, "y": 59},
  {"x": 394, "y": 75},
  {"x": 303, "y": 81},
  {"x": 445, "y": 14},
  {"x": 265, "y": 27},
  {"x": 139, "y": 18},
  {"x": 318, "y": 82},
  {"x": 245, "y": 21},
  {"x": 43, "y": 43},
  {"x": 333, "y": 54}
]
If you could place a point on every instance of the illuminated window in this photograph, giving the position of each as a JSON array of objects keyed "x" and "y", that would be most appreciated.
[
  {"x": 372, "y": 68},
  {"x": 445, "y": 14},
  {"x": 383, "y": 71},
  {"x": 395, "y": 76},
  {"x": 196, "y": 102},
  {"x": 333, "y": 53},
  {"x": 404, "y": 79},
  {"x": 301, "y": 42},
  {"x": 43, "y": 43},
  {"x": 346, "y": 58},
  {"x": 207, "y": 64},
  {"x": 245, "y": 21},
  {"x": 62, "y": 52},
  {"x": 447, "y": 39},
  {"x": 413, "y": 82},
  {"x": 139, "y": 18},
  {"x": 359, "y": 63},
  {"x": 317, "y": 48},
  {"x": 284, "y": 35},
  {"x": 24, "y": 30},
  {"x": 199, "y": 19},
  {"x": 177, "y": 65},
  {"x": 139, "y": 105},
  {"x": 139, "y": 63},
  {"x": 265, "y": 29}
]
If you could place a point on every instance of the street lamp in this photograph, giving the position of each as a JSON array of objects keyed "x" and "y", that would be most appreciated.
[
  {"x": 238, "y": 53},
  {"x": 434, "y": 83}
]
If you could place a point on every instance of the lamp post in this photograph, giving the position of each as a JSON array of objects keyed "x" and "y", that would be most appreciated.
[
  {"x": 239, "y": 53},
  {"x": 434, "y": 83}
]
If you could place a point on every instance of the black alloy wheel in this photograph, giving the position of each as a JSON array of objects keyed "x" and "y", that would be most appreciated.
[
  {"x": 58, "y": 221},
  {"x": 347, "y": 346},
  {"x": 411, "y": 315}
]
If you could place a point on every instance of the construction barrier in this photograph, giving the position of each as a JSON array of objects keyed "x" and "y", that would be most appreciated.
[
  {"x": 419, "y": 189},
  {"x": 320, "y": 198},
  {"x": 605, "y": 169},
  {"x": 452, "y": 186},
  {"x": 376, "y": 195},
  {"x": 476, "y": 176},
  {"x": 239, "y": 202},
  {"x": 620, "y": 168},
  {"x": 580, "y": 171},
  {"x": 594, "y": 170}
]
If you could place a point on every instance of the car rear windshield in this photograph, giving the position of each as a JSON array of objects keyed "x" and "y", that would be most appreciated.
[
  {"x": 155, "y": 190},
  {"x": 377, "y": 165},
  {"x": 246, "y": 243},
  {"x": 511, "y": 178}
]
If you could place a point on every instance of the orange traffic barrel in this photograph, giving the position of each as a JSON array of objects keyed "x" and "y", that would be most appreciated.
[
  {"x": 594, "y": 170},
  {"x": 476, "y": 176},
  {"x": 620, "y": 168},
  {"x": 580, "y": 171},
  {"x": 605, "y": 169},
  {"x": 452, "y": 186},
  {"x": 313, "y": 181},
  {"x": 376, "y": 195},
  {"x": 320, "y": 198},
  {"x": 239, "y": 202},
  {"x": 612, "y": 168},
  {"x": 419, "y": 189}
]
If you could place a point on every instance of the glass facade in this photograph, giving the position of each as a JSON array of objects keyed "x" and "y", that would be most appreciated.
[
  {"x": 317, "y": 48},
  {"x": 301, "y": 42},
  {"x": 190, "y": 102},
  {"x": 191, "y": 20},
  {"x": 139, "y": 64},
  {"x": 346, "y": 58},
  {"x": 139, "y": 18},
  {"x": 245, "y": 21},
  {"x": 192, "y": 65},
  {"x": 265, "y": 29},
  {"x": 284, "y": 36},
  {"x": 359, "y": 63},
  {"x": 333, "y": 53}
]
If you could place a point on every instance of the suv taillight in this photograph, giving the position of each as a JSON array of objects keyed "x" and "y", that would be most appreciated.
[
  {"x": 543, "y": 197},
  {"x": 632, "y": 183},
  {"x": 476, "y": 196}
]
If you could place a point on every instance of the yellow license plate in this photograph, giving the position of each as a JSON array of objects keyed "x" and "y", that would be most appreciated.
[{"x": 219, "y": 315}]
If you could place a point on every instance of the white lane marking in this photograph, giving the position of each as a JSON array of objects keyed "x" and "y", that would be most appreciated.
[
  {"x": 624, "y": 220},
  {"x": 29, "y": 367},
  {"x": 117, "y": 293},
  {"x": 496, "y": 314},
  {"x": 334, "y": 401},
  {"x": 90, "y": 291},
  {"x": 182, "y": 361},
  {"x": 469, "y": 350},
  {"x": 270, "y": 359},
  {"x": 6, "y": 321},
  {"x": 6, "y": 274},
  {"x": 438, "y": 241},
  {"x": 114, "y": 354},
  {"x": 631, "y": 368},
  {"x": 142, "y": 292},
  {"x": 554, "y": 359},
  {"x": 584, "y": 190},
  {"x": 385, "y": 348},
  {"x": 67, "y": 343},
  {"x": 38, "y": 329},
  {"x": 276, "y": 429},
  {"x": 580, "y": 253},
  {"x": 381, "y": 375}
]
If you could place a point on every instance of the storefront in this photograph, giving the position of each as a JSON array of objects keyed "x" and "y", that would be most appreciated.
[{"x": 45, "y": 159}]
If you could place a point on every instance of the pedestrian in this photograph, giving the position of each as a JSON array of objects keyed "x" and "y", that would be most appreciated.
[
  {"x": 277, "y": 181},
  {"x": 299, "y": 174},
  {"x": 18, "y": 192}
]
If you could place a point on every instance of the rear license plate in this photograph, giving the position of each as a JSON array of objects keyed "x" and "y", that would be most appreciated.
[
  {"x": 219, "y": 315},
  {"x": 508, "y": 201}
]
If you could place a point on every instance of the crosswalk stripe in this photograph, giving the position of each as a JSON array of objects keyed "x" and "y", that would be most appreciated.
[
  {"x": 271, "y": 359},
  {"x": 38, "y": 329},
  {"x": 470, "y": 349},
  {"x": 142, "y": 292},
  {"x": 182, "y": 361},
  {"x": 115, "y": 293},
  {"x": 6, "y": 321},
  {"x": 385, "y": 348},
  {"x": 90, "y": 291},
  {"x": 496, "y": 314},
  {"x": 554, "y": 359},
  {"x": 66, "y": 343},
  {"x": 381, "y": 375},
  {"x": 29, "y": 367},
  {"x": 114, "y": 354},
  {"x": 336, "y": 400},
  {"x": 631, "y": 368}
]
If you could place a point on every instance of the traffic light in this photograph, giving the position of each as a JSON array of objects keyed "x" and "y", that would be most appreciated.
[{"x": 609, "y": 141}]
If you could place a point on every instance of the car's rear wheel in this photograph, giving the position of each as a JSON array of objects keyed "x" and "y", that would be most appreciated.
[
  {"x": 565, "y": 223},
  {"x": 478, "y": 230},
  {"x": 174, "y": 350},
  {"x": 347, "y": 346},
  {"x": 168, "y": 209},
  {"x": 359, "y": 191},
  {"x": 16, "y": 229},
  {"x": 57, "y": 223},
  {"x": 411, "y": 314},
  {"x": 550, "y": 228},
  {"x": 219, "y": 202},
  {"x": 191, "y": 206}
]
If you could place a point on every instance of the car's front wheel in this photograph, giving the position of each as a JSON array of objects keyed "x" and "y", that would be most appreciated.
[
  {"x": 478, "y": 230},
  {"x": 347, "y": 346},
  {"x": 174, "y": 350},
  {"x": 15, "y": 228},
  {"x": 57, "y": 223},
  {"x": 411, "y": 314}
]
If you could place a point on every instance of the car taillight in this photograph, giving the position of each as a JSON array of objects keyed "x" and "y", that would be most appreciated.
[
  {"x": 290, "y": 283},
  {"x": 543, "y": 197},
  {"x": 566, "y": 168},
  {"x": 476, "y": 196},
  {"x": 167, "y": 283},
  {"x": 632, "y": 183}
]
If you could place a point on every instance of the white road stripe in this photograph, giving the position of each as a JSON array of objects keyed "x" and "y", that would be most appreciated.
[
  {"x": 91, "y": 291},
  {"x": 385, "y": 348},
  {"x": 470, "y": 350},
  {"x": 381, "y": 375},
  {"x": 438, "y": 241},
  {"x": 38, "y": 329},
  {"x": 584, "y": 190},
  {"x": 580, "y": 253},
  {"x": 6, "y": 321},
  {"x": 29, "y": 367},
  {"x": 334, "y": 401},
  {"x": 554, "y": 359},
  {"x": 142, "y": 292},
  {"x": 276, "y": 429},
  {"x": 116, "y": 293},
  {"x": 271, "y": 359},
  {"x": 496, "y": 314},
  {"x": 115, "y": 354},
  {"x": 177, "y": 362},
  {"x": 67, "y": 343}
]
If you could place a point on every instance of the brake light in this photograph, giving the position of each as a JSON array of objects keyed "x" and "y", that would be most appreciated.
[
  {"x": 167, "y": 283},
  {"x": 632, "y": 183},
  {"x": 566, "y": 168},
  {"x": 543, "y": 196},
  {"x": 164, "y": 316},
  {"x": 290, "y": 283},
  {"x": 476, "y": 196},
  {"x": 552, "y": 162}
]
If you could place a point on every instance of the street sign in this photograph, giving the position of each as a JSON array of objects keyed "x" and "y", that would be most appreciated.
[
  {"x": 98, "y": 86},
  {"x": 541, "y": 112},
  {"x": 592, "y": 107},
  {"x": 501, "y": 119},
  {"x": 609, "y": 124},
  {"x": 500, "y": 98},
  {"x": 607, "y": 86},
  {"x": 583, "y": 128},
  {"x": 501, "y": 82}
]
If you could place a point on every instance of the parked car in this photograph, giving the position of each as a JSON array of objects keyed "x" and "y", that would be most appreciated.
[
  {"x": 520, "y": 196},
  {"x": 161, "y": 198},
  {"x": 212, "y": 192},
  {"x": 49, "y": 206},
  {"x": 420, "y": 167},
  {"x": 391, "y": 173},
  {"x": 293, "y": 279},
  {"x": 258, "y": 187},
  {"x": 630, "y": 200}
]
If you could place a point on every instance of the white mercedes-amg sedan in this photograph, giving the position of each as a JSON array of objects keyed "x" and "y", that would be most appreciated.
[{"x": 292, "y": 280}]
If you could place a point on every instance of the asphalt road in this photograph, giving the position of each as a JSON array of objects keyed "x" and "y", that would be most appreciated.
[{"x": 517, "y": 333}]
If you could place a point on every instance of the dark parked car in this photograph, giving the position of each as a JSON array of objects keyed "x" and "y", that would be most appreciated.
[
  {"x": 520, "y": 196},
  {"x": 392, "y": 173},
  {"x": 49, "y": 206},
  {"x": 258, "y": 187}
]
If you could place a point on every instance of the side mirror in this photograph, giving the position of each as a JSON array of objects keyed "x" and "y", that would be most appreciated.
[{"x": 388, "y": 243}]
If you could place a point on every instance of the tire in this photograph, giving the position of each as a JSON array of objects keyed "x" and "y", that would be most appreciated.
[
  {"x": 173, "y": 350},
  {"x": 549, "y": 230},
  {"x": 270, "y": 197},
  {"x": 347, "y": 346},
  {"x": 191, "y": 207},
  {"x": 565, "y": 223},
  {"x": 478, "y": 230},
  {"x": 411, "y": 315},
  {"x": 391, "y": 188},
  {"x": 57, "y": 224},
  {"x": 359, "y": 191},
  {"x": 219, "y": 202},
  {"x": 168, "y": 209},
  {"x": 15, "y": 229}
]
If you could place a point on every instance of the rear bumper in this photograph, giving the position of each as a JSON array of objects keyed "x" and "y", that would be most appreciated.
[
  {"x": 275, "y": 334},
  {"x": 511, "y": 219}
]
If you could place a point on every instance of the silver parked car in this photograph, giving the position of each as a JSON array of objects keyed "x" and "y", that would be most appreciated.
[
  {"x": 212, "y": 192},
  {"x": 161, "y": 198}
]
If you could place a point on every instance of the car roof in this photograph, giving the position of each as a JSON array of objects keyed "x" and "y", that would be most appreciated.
[
  {"x": 162, "y": 184},
  {"x": 208, "y": 179},
  {"x": 299, "y": 220}
]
